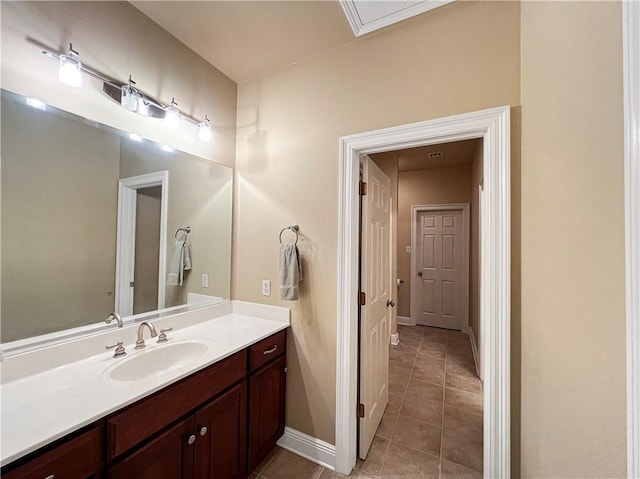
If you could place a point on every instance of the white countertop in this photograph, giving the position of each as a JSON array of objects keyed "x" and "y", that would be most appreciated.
[{"x": 42, "y": 407}]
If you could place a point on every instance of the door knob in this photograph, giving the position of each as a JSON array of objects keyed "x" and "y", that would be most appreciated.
[
  {"x": 390, "y": 303},
  {"x": 419, "y": 273}
]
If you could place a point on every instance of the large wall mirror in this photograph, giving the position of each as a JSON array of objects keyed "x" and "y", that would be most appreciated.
[{"x": 95, "y": 221}]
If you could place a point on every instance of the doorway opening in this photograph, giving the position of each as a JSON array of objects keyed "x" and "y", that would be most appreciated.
[
  {"x": 492, "y": 126},
  {"x": 156, "y": 185},
  {"x": 433, "y": 416}
]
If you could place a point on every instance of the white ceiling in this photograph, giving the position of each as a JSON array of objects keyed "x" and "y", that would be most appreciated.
[{"x": 249, "y": 39}]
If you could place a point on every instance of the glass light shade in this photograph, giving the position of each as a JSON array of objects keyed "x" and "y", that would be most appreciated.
[
  {"x": 129, "y": 98},
  {"x": 69, "y": 71},
  {"x": 171, "y": 116},
  {"x": 143, "y": 107},
  {"x": 204, "y": 131}
]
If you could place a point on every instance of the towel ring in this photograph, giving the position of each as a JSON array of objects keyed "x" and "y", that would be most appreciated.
[
  {"x": 294, "y": 228},
  {"x": 186, "y": 230}
]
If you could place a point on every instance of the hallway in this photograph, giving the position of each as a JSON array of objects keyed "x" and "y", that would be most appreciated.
[{"x": 432, "y": 427}]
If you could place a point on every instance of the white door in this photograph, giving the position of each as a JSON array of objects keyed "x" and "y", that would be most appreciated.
[
  {"x": 375, "y": 314},
  {"x": 440, "y": 295}
]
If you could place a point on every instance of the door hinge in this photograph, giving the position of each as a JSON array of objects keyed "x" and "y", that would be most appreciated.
[
  {"x": 363, "y": 188},
  {"x": 360, "y": 410},
  {"x": 362, "y": 298}
]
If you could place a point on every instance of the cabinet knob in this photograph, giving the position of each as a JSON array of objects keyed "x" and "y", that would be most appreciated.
[
  {"x": 203, "y": 430},
  {"x": 191, "y": 439}
]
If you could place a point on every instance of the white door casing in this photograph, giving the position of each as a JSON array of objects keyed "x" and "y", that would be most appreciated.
[
  {"x": 375, "y": 313},
  {"x": 440, "y": 266},
  {"x": 631, "y": 66},
  {"x": 493, "y": 126},
  {"x": 126, "y": 238}
]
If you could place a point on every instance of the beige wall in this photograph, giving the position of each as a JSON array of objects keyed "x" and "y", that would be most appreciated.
[
  {"x": 474, "y": 244},
  {"x": 573, "y": 311},
  {"x": 289, "y": 124},
  {"x": 388, "y": 162},
  {"x": 116, "y": 39},
  {"x": 59, "y": 201},
  {"x": 424, "y": 187}
]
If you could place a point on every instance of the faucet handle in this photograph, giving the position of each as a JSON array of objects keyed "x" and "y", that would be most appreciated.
[
  {"x": 163, "y": 336},
  {"x": 120, "y": 351}
]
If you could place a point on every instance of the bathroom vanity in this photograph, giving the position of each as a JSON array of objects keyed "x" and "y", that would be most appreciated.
[{"x": 218, "y": 417}]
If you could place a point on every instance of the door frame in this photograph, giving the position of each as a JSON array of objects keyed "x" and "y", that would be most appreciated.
[
  {"x": 493, "y": 126},
  {"x": 126, "y": 237},
  {"x": 631, "y": 68},
  {"x": 415, "y": 210}
]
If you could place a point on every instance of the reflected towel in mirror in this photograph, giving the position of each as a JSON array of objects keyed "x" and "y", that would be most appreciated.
[
  {"x": 180, "y": 262},
  {"x": 290, "y": 271}
]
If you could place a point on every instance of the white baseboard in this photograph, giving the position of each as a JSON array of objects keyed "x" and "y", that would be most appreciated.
[
  {"x": 406, "y": 321},
  {"x": 314, "y": 449},
  {"x": 474, "y": 349},
  {"x": 395, "y": 338}
]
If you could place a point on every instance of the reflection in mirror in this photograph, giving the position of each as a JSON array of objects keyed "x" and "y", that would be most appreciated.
[{"x": 91, "y": 223}]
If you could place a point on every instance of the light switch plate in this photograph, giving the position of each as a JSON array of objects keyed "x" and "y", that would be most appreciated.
[
  {"x": 205, "y": 280},
  {"x": 266, "y": 287}
]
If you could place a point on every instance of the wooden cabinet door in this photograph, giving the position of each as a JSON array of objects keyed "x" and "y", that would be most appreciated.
[
  {"x": 78, "y": 458},
  {"x": 267, "y": 390},
  {"x": 169, "y": 456},
  {"x": 221, "y": 436}
]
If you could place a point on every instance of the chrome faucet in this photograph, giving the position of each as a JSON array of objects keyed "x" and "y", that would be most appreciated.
[
  {"x": 152, "y": 330},
  {"x": 113, "y": 316}
]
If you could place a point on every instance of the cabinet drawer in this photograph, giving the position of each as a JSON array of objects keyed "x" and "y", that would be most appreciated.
[
  {"x": 78, "y": 458},
  {"x": 139, "y": 421},
  {"x": 267, "y": 349}
]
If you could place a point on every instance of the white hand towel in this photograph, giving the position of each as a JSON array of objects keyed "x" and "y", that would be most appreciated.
[
  {"x": 290, "y": 271},
  {"x": 180, "y": 262}
]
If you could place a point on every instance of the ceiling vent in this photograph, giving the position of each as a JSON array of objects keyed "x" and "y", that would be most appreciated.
[{"x": 435, "y": 154}]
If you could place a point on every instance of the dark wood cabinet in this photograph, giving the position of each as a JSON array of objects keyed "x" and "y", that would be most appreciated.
[
  {"x": 76, "y": 458},
  {"x": 168, "y": 456},
  {"x": 267, "y": 390},
  {"x": 218, "y": 423},
  {"x": 221, "y": 436}
]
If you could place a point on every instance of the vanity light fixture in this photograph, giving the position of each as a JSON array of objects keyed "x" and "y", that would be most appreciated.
[
  {"x": 172, "y": 115},
  {"x": 204, "y": 130},
  {"x": 127, "y": 94},
  {"x": 70, "y": 70}
]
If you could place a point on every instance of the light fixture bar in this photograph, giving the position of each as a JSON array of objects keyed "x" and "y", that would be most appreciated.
[{"x": 118, "y": 85}]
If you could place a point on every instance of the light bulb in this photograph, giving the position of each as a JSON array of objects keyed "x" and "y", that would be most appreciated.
[
  {"x": 70, "y": 69},
  {"x": 143, "y": 107},
  {"x": 171, "y": 115},
  {"x": 129, "y": 98},
  {"x": 204, "y": 130}
]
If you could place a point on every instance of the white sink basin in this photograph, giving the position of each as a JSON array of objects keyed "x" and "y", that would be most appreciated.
[{"x": 159, "y": 360}]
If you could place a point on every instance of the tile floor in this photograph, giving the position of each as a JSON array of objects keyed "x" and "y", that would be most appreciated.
[{"x": 432, "y": 427}]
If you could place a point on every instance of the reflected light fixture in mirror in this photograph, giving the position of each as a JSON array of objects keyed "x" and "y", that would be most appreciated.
[
  {"x": 127, "y": 95},
  {"x": 70, "y": 69}
]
